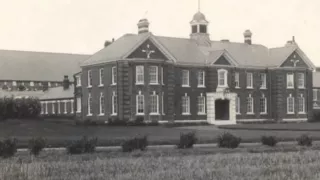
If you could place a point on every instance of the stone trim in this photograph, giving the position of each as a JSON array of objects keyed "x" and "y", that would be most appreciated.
[{"x": 295, "y": 119}]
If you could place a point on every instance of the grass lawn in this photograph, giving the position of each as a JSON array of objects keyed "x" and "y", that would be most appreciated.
[
  {"x": 213, "y": 163},
  {"x": 57, "y": 133},
  {"x": 304, "y": 126}
]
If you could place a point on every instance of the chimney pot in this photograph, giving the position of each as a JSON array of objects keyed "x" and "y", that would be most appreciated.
[
  {"x": 66, "y": 82},
  {"x": 247, "y": 37}
]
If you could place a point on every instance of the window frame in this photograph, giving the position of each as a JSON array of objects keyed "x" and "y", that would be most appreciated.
[
  {"x": 251, "y": 104},
  {"x": 249, "y": 78},
  {"x": 187, "y": 105},
  {"x": 89, "y": 113},
  {"x": 201, "y": 79},
  {"x": 154, "y": 95},
  {"x": 288, "y": 80},
  {"x": 315, "y": 94},
  {"x": 138, "y": 96},
  {"x": 263, "y": 79},
  {"x": 78, "y": 105},
  {"x": 301, "y": 98},
  {"x": 187, "y": 78},
  {"x": 237, "y": 79},
  {"x": 101, "y": 77},
  {"x": 299, "y": 75},
  {"x": 101, "y": 104},
  {"x": 225, "y": 78},
  {"x": 139, "y": 75},
  {"x": 114, "y": 75},
  {"x": 156, "y": 81},
  {"x": 265, "y": 109},
  {"x": 203, "y": 105},
  {"x": 114, "y": 108},
  {"x": 89, "y": 78},
  {"x": 288, "y": 104}
]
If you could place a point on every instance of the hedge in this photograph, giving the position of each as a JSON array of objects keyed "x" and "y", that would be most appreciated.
[{"x": 19, "y": 108}]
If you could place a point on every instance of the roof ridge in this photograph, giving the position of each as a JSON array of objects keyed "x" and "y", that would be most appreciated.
[{"x": 44, "y": 52}]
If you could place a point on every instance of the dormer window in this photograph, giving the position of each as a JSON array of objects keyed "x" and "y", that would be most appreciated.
[{"x": 222, "y": 78}]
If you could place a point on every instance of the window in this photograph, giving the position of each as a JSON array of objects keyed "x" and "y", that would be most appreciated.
[
  {"x": 263, "y": 104},
  {"x": 185, "y": 105},
  {"x": 114, "y": 103},
  {"x": 315, "y": 94},
  {"x": 101, "y": 79},
  {"x": 59, "y": 107},
  {"x": 101, "y": 104},
  {"x": 114, "y": 75},
  {"x": 31, "y": 83},
  {"x": 301, "y": 80},
  {"x": 249, "y": 80},
  {"x": 238, "y": 105},
  {"x": 162, "y": 76},
  {"x": 185, "y": 78},
  {"x": 140, "y": 103},
  {"x": 89, "y": 78},
  {"x": 65, "y": 106},
  {"x": 153, "y": 72},
  {"x": 203, "y": 29},
  {"x": 71, "y": 106},
  {"x": 89, "y": 105},
  {"x": 290, "y": 104},
  {"x": 53, "y": 108},
  {"x": 301, "y": 104},
  {"x": 162, "y": 103},
  {"x": 154, "y": 103},
  {"x": 139, "y": 75},
  {"x": 290, "y": 80},
  {"x": 201, "y": 78},
  {"x": 201, "y": 104},
  {"x": 263, "y": 79},
  {"x": 236, "y": 80},
  {"x": 249, "y": 104},
  {"x": 194, "y": 29},
  {"x": 78, "y": 104},
  {"x": 78, "y": 80},
  {"x": 222, "y": 78}
]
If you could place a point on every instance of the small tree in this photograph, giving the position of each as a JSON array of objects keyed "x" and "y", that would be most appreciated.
[
  {"x": 269, "y": 140},
  {"x": 228, "y": 140},
  {"x": 36, "y": 145}
]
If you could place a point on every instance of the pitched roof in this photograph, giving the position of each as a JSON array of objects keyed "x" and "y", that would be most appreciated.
[
  {"x": 36, "y": 94},
  {"x": 58, "y": 93},
  {"x": 186, "y": 50},
  {"x": 38, "y": 66}
]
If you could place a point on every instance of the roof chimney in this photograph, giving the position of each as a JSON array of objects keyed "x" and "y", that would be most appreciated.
[
  {"x": 143, "y": 26},
  {"x": 107, "y": 43},
  {"x": 66, "y": 82},
  {"x": 247, "y": 37}
]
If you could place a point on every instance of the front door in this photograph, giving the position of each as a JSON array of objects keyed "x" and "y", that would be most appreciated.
[{"x": 222, "y": 109}]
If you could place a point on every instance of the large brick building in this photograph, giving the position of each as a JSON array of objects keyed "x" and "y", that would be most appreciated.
[{"x": 194, "y": 79}]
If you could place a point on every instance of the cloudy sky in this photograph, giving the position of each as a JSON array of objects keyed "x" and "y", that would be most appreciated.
[{"x": 82, "y": 26}]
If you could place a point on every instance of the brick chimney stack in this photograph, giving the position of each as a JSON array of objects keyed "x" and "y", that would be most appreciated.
[{"x": 66, "y": 82}]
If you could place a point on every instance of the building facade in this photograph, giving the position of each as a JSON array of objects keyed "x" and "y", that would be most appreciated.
[{"x": 168, "y": 79}]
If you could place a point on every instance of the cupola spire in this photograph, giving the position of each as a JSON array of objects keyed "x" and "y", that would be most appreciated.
[{"x": 199, "y": 28}]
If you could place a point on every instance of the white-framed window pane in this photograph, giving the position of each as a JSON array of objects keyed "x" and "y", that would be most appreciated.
[
  {"x": 301, "y": 80},
  {"x": 154, "y": 104},
  {"x": 290, "y": 105},
  {"x": 89, "y": 78},
  {"x": 185, "y": 78},
  {"x": 249, "y": 80},
  {"x": 89, "y": 104},
  {"x": 249, "y": 105},
  {"x": 238, "y": 105},
  {"x": 162, "y": 75},
  {"x": 78, "y": 79},
  {"x": 102, "y": 103},
  {"x": 221, "y": 78},
  {"x": 140, "y": 104},
  {"x": 263, "y": 105},
  {"x": 78, "y": 104},
  {"x": 201, "y": 105},
  {"x": 263, "y": 79},
  {"x": 201, "y": 78},
  {"x": 290, "y": 80},
  {"x": 153, "y": 74},
  {"x": 301, "y": 104},
  {"x": 185, "y": 105},
  {"x": 114, "y": 75},
  {"x": 315, "y": 94},
  {"x": 236, "y": 79},
  {"x": 101, "y": 72},
  {"x": 114, "y": 104},
  {"x": 139, "y": 74},
  {"x": 162, "y": 103}
]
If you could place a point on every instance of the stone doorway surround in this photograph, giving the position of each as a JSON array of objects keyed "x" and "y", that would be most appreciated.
[{"x": 211, "y": 99}]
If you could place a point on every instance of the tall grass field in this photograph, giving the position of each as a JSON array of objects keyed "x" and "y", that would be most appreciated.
[{"x": 159, "y": 165}]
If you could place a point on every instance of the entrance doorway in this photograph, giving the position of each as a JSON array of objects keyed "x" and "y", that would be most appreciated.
[{"x": 222, "y": 109}]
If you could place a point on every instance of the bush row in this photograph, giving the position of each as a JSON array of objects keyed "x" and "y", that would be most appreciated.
[
  {"x": 11, "y": 108},
  {"x": 8, "y": 147}
]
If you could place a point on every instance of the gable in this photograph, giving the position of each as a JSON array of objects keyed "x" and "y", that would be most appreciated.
[
  {"x": 222, "y": 61},
  {"x": 294, "y": 60},
  {"x": 147, "y": 50}
]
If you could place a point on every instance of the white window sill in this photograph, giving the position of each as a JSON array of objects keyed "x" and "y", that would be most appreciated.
[
  {"x": 186, "y": 114},
  {"x": 185, "y": 85},
  {"x": 154, "y": 114},
  {"x": 101, "y": 115},
  {"x": 202, "y": 114},
  {"x": 201, "y": 86},
  {"x": 290, "y": 87},
  {"x": 290, "y": 112},
  {"x": 237, "y": 87},
  {"x": 113, "y": 84},
  {"x": 115, "y": 114},
  {"x": 78, "y": 86},
  {"x": 263, "y": 87},
  {"x": 301, "y": 87},
  {"x": 301, "y": 112},
  {"x": 78, "y": 111},
  {"x": 250, "y": 113},
  {"x": 219, "y": 86},
  {"x": 89, "y": 87},
  {"x": 89, "y": 114},
  {"x": 249, "y": 87},
  {"x": 263, "y": 113},
  {"x": 154, "y": 84},
  {"x": 101, "y": 85},
  {"x": 140, "y": 114},
  {"x": 139, "y": 83},
  {"x": 238, "y": 113}
]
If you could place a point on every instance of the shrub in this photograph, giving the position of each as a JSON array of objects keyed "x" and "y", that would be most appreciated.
[
  {"x": 228, "y": 140},
  {"x": 36, "y": 145},
  {"x": 269, "y": 140},
  {"x": 187, "y": 140},
  {"x": 84, "y": 145},
  {"x": 304, "y": 140},
  {"x": 8, "y": 148},
  {"x": 11, "y": 108},
  {"x": 135, "y": 144},
  {"x": 115, "y": 121}
]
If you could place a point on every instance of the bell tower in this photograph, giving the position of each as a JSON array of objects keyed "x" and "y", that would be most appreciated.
[{"x": 199, "y": 28}]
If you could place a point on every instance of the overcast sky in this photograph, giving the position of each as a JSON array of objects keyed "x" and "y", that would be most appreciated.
[{"x": 82, "y": 26}]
